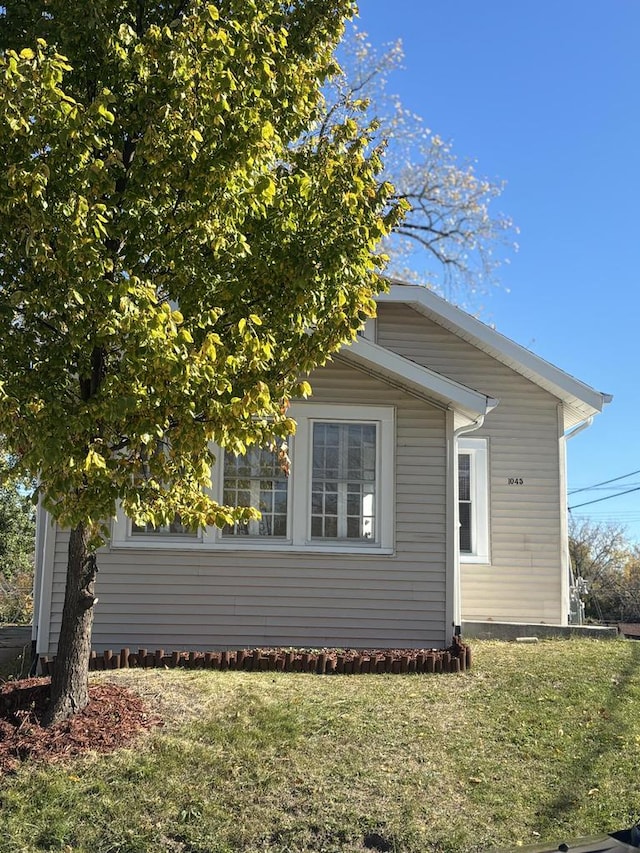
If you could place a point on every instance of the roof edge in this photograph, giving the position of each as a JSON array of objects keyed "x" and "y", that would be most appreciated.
[
  {"x": 429, "y": 303},
  {"x": 415, "y": 378}
]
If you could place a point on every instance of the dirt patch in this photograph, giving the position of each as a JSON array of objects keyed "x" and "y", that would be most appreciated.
[{"x": 114, "y": 717}]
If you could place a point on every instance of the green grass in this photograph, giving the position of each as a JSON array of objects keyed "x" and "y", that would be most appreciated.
[{"x": 536, "y": 742}]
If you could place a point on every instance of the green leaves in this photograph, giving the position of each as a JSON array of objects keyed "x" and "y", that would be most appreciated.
[{"x": 178, "y": 253}]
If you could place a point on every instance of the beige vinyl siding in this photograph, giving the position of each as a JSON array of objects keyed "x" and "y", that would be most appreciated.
[
  {"x": 523, "y": 582},
  {"x": 208, "y": 599}
]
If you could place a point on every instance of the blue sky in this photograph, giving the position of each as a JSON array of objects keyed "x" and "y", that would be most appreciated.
[{"x": 545, "y": 96}]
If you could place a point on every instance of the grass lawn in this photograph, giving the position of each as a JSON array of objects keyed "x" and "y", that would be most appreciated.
[{"x": 535, "y": 742}]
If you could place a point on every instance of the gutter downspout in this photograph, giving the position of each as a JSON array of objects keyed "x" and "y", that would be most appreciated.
[
  {"x": 453, "y": 544},
  {"x": 579, "y": 427}
]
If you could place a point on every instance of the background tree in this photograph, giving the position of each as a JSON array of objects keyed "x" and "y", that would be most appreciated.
[
  {"x": 610, "y": 563},
  {"x": 158, "y": 155},
  {"x": 17, "y": 530},
  {"x": 452, "y": 238}
]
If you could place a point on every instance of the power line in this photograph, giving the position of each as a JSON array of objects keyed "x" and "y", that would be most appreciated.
[
  {"x": 636, "y": 482},
  {"x": 604, "y": 483},
  {"x": 606, "y": 498}
]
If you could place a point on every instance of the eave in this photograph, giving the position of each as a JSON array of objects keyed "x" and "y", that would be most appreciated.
[
  {"x": 580, "y": 401},
  {"x": 417, "y": 380}
]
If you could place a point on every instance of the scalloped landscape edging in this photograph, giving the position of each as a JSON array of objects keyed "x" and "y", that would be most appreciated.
[{"x": 456, "y": 658}]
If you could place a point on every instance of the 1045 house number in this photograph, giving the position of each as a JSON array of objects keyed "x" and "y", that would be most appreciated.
[{"x": 515, "y": 481}]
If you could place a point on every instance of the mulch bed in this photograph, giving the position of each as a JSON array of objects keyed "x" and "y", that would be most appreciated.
[{"x": 113, "y": 718}]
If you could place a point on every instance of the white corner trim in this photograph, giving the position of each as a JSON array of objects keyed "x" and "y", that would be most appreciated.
[{"x": 49, "y": 533}]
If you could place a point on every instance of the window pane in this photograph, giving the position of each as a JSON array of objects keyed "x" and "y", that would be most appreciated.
[
  {"x": 344, "y": 481},
  {"x": 257, "y": 480},
  {"x": 466, "y": 544},
  {"x": 464, "y": 476}
]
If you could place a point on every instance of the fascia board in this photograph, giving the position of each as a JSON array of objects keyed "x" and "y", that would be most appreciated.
[
  {"x": 407, "y": 374},
  {"x": 523, "y": 361}
]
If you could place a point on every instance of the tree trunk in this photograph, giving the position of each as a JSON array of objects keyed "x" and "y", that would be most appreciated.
[{"x": 70, "y": 679}]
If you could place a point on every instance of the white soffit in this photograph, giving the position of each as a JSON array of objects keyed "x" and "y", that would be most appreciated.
[
  {"x": 580, "y": 400},
  {"x": 404, "y": 373}
]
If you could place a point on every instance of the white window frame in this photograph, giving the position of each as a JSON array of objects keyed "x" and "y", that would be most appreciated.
[
  {"x": 123, "y": 537},
  {"x": 299, "y": 495},
  {"x": 370, "y": 330},
  {"x": 252, "y": 534},
  {"x": 477, "y": 449}
]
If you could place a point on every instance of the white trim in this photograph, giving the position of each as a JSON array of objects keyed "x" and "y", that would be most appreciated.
[
  {"x": 49, "y": 533},
  {"x": 299, "y": 501},
  {"x": 571, "y": 391},
  {"x": 416, "y": 379},
  {"x": 370, "y": 330},
  {"x": 122, "y": 537},
  {"x": 41, "y": 518},
  {"x": 384, "y": 418},
  {"x": 565, "y": 561},
  {"x": 478, "y": 451},
  {"x": 452, "y": 577}
]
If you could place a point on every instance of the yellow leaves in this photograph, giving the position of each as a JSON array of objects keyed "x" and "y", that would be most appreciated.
[
  {"x": 247, "y": 78},
  {"x": 304, "y": 389},
  {"x": 351, "y": 201},
  {"x": 305, "y": 187},
  {"x": 289, "y": 426},
  {"x": 209, "y": 349},
  {"x": 94, "y": 460},
  {"x": 266, "y": 188},
  {"x": 106, "y": 113},
  {"x": 268, "y": 132},
  {"x": 35, "y": 406}
]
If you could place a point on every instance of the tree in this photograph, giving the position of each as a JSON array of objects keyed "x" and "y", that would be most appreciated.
[
  {"x": 180, "y": 247},
  {"x": 16, "y": 520},
  {"x": 603, "y": 555},
  {"x": 449, "y": 237},
  {"x": 17, "y": 530}
]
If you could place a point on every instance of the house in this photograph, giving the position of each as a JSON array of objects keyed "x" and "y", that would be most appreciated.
[{"x": 427, "y": 487}]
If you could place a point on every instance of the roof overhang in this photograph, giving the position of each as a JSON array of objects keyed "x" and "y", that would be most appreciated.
[
  {"x": 579, "y": 400},
  {"x": 417, "y": 380}
]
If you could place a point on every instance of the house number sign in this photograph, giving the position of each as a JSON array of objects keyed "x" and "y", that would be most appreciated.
[{"x": 515, "y": 481}]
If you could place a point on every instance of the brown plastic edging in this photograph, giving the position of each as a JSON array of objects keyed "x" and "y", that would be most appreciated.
[{"x": 455, "y": 659}]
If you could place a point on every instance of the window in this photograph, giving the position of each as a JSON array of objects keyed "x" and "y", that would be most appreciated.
[
  {"x": 258, "y": 480},
  {"x": 176, "y": 528},
  {"x": 174, "y": 535},
  {"x": 343, "y": 481},
  {"x": 473, "y": 500},
  {"x": 338, "y": 497}
]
